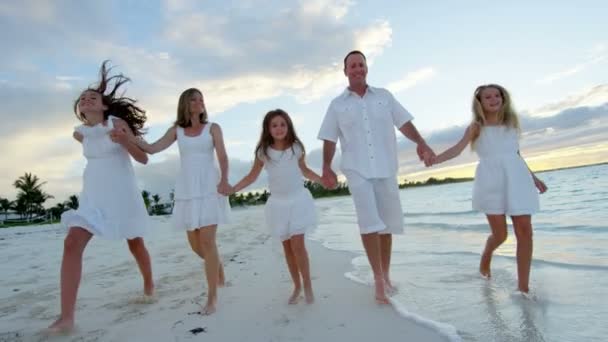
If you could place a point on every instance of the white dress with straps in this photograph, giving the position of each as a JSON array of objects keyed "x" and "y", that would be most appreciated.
[
  {"x": 503, "y": 184},
  {"x": 197, "y": 202}
]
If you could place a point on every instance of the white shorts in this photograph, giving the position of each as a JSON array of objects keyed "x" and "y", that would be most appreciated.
[{"x": 377, "y": 204}]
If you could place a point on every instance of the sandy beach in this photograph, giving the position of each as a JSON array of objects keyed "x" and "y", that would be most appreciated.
[{"x": 252, "y": 307}]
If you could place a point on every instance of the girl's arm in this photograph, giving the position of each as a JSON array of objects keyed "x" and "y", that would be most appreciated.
[
  {"x": 120, "y": 136},
  {"x": 161, "y": 144},
  {"x": 539, "y": 184},
  {"x": 253, "y": 174},
  {"x": 220, "y": 150},
  {"x": 308, "y": 173},
  {"x": 78, "y": 136},
  {"x": 457, "y": 149}
]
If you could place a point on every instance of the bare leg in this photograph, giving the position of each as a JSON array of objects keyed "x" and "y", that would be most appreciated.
[
  {"x": 141, "y": 255},
  {"x": 292, "y": 265},
  {"x": 212, "y": 265},
  {"x": 371, "y": 243},
  {"x": 386, "y": 245},
  {"x": 498, "y": 224},
  {"x": 71, "y": 270},
  {"x": 298, "y": 246},
  {"x": 193, "y": 239},
  {"x": 523, "y": 231}
]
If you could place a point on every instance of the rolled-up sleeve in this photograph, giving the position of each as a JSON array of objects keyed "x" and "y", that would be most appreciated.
[
  {"x": 400, "y": 115},
  {"x": 329, "y": 127}
]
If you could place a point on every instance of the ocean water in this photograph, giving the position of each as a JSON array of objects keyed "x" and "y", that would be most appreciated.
[{"x": 435, "y": 263}]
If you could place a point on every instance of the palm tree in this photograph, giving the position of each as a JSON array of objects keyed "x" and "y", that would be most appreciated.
[
  {"x": 72, "y": 202},
  {"x": 156, "y": 209},
  {"x": 146, "y": 195},
  {"x": 30, "y": 193},
  {"x": 5, "y": 205}
]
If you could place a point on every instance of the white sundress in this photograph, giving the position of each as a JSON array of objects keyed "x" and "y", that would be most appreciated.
[
  {"x": 197, "y": 202},
  {"x": 503, "y": 184},
  {"x": 290, "y": 209},
  {"x": 110, "y": 204}
]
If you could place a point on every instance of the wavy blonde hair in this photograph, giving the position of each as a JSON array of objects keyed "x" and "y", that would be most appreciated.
[
  {"x": 183, "y": 109},
  {"x": 506, "y": 115}
]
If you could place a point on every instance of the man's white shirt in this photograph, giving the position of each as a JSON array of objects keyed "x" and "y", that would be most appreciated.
[{"x": 365, "y": 129}]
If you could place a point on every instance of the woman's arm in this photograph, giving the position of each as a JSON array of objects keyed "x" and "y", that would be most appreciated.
[
  {"x": 457, "y": 149},
  {"x": 253, "y": 174},
  {"x": 161, "y": 144},
  {"x": 222, "y": 158}
]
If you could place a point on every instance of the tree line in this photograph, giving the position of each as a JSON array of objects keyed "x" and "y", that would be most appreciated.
[{"x": 30, "y": 199}]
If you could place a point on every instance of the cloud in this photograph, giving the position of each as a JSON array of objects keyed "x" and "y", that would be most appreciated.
[
  {"x": 596, "y": 55},
  {"x": 412, "y": 79},
  {"x": 589, "y": 97}
]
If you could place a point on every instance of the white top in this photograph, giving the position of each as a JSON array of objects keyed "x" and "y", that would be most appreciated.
[
  {"x": 198, "y": 175},
  {"x": 284, "y": 175},
  {"x": 110, "y": 204},
  {"x": 364, "y": 126}
]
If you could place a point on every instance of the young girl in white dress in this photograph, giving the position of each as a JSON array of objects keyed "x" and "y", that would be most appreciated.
[
  {"x": 200, "y": 191},
  {"x": 504, "y": 185},
  {"x": 110, "y": 204},
  {"x": 290, "y": 210}
]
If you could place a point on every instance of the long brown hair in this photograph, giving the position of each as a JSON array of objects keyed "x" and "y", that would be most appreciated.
[
  {"x": 266, "y": 139},
  {"x": 118, "y": 105},
  {"x": 183, "y": 108},
  {"x": 506, "y": 115}
]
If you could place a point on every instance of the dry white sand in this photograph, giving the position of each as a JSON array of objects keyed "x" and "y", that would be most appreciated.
[{"x": 253, "y": 307}]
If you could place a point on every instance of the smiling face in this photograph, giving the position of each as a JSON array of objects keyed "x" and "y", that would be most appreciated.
[
  {"x": 196, "y": 104},
  {"x": 91, "y": 102},
  {"x": 278, "y": 128},
  {"x": 491, "y": 100},
  {"x": 355, "y": 68}
]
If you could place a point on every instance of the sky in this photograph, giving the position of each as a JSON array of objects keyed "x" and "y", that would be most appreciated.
[{"x": 248, "y": 57}]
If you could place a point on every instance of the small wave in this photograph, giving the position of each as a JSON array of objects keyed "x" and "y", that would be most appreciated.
[
  {"x": 446, "y": 330},
  {"x": 441, "y": 213},
  {"x": 483, "y": 227},
  {"x": 537, "y": 262}
]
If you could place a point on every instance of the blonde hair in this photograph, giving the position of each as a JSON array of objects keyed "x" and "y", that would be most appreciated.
[
  {"x": 506, "y": 114},
  {"x": 183, "y": 108}
]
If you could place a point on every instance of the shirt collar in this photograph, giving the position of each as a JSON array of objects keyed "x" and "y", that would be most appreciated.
[{"x": 347, "y": 92}]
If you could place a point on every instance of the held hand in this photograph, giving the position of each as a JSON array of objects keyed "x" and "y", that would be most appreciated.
[
  {"x": 119, "y": 136},
  {"x": 329, "y": 178},
  {"x": 540, "y": 185},
  {"x": 224, "y": 188},
  {"x": 426, "y": 154}
]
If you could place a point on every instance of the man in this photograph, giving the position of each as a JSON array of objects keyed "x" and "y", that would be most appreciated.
[{"x": 362, "y": 118}]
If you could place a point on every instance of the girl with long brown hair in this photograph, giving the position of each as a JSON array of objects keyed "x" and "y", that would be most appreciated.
[
  {"x": 110, "y": 204},
  {"x": 290, "y": 211}
]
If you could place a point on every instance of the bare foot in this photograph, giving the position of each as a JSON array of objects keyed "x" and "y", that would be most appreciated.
[
  {"x": 309, "y": 296},
  {"x": 380, "y": 292},
  {"x": 60, "y": 327},
  {"x": 295, "y": 296},
  {"x": 484, "y": 266},
  {"x": 389, "y": 288},
  {"x": 209, "y": 308}
]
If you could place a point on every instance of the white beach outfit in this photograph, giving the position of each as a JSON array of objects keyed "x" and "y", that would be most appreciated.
[
  {"x": 365, "y": 127},
  {"x": 290, "y": 209},
  {"x": 110, "y": 204},
  {"x": 503, "y": 184},
  {"x": 197, "y": 202}
]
